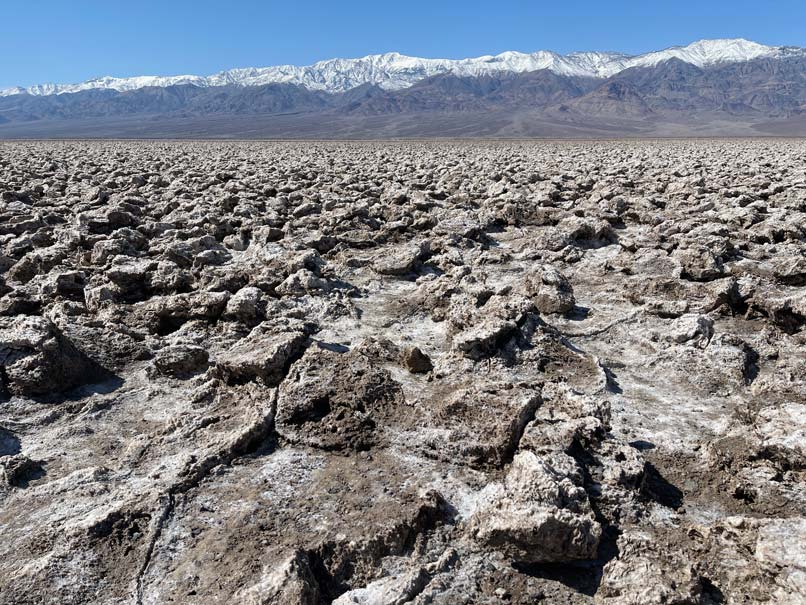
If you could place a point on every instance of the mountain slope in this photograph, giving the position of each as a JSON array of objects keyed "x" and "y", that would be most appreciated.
[
  {"x": 770, "y": 87},
  {"x": 451, "y": 93},
  {"x": 187, "y": 98}
]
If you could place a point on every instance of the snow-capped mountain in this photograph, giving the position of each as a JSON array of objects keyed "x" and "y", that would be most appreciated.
[
  {"x": 393, "y": 71},
  {"x": 702, "y": 54}
]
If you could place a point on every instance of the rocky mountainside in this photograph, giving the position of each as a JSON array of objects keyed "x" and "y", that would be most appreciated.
[
  {"x": 736, "y": 86},
  {"x": 427, "y": 373}
]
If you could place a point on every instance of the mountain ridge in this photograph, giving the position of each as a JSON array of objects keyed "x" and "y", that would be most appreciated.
[
  {"x": 673, "y": 97},
  {"x": 394, "y": 71}
]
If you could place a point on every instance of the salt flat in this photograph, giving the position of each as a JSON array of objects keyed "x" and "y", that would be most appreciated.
[{"x": 403, "y": 372}]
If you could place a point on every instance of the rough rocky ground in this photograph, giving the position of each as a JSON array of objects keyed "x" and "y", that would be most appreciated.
[{"x": 403, "y": 373}]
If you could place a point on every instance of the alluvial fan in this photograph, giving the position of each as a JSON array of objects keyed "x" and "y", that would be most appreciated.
[{"x": 374, "y": 373}]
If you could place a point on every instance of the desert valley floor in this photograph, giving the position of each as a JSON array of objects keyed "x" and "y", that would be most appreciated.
[{"x": 404, "y": 372}]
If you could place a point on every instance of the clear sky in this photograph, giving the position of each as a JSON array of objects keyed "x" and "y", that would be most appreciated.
[{"x": 73, "y": 40}]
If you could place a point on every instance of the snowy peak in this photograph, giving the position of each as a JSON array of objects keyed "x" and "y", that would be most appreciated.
[
  {"x": 726, "y": 50},
  {"x": 708, "y": 52},
  {"x": 394, "y": 71}
]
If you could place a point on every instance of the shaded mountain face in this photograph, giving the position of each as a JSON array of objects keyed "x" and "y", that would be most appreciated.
[
  {"x": 771, "y": 87},
  {"x": 740, "y": 93},
  {"x": 615, "y": 97},
  {"x": 449, "y": 92}
]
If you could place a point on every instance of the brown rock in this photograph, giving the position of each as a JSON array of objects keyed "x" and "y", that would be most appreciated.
[{"x": 416, "y": 361}]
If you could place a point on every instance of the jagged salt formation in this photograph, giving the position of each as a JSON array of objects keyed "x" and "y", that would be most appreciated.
[{"x": 402, "y": 373}]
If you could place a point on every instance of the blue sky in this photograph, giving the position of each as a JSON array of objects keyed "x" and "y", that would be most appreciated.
[{"x": 73, "y": 40}]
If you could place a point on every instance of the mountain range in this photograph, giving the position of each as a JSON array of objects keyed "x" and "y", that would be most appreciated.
[{"x": 708, "y": 88}]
